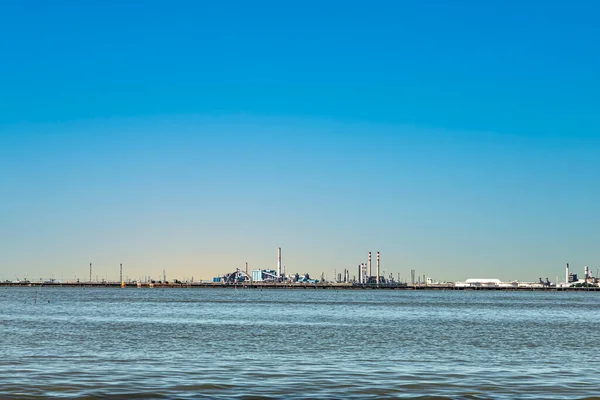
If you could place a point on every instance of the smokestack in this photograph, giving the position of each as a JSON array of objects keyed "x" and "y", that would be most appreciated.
[
  {"x": 246, "y": 268},
  {"x": 370, "y": 271},
  {"x": 90, "y": 272},
  {"x": 279, "y": 262},
  {"x": 567, "y": 274},
  {"x": 121, "y": 272},
  {"x": 378, "y": 268}
]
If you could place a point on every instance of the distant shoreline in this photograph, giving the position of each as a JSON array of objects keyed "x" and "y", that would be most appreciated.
[{"x": 297, "y": 286}]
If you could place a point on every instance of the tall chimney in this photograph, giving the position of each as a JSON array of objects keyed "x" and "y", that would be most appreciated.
[
  {"x": 378, "y": 268},
  {"x": 370, "y": 271},
  {"x": 246, "y": 268},
  {"x": 279, "y": 262},
  {"x": 567, "y": 274}
]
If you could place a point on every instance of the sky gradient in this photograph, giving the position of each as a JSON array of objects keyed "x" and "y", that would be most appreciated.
[{"x": 461, "y": 139}]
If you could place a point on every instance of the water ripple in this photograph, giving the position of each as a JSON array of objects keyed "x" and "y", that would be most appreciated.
[{"x": 197, "y": 344}]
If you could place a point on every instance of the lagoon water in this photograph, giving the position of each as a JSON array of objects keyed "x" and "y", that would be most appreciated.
[{"x": 224, "y": 343}]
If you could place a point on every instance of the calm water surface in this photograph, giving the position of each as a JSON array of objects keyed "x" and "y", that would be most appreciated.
[{"x": 223, "y": 343}]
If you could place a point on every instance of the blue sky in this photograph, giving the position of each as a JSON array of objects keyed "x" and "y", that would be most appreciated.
[{"x": 458, "y": 138}]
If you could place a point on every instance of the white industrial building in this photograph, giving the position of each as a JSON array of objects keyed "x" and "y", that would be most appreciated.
[
  {"x": 478, "y": 282},
  {"x": 497, "y": 283}
]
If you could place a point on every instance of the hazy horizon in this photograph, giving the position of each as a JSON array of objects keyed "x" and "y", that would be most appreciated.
[{"x": 462, "y": 142}]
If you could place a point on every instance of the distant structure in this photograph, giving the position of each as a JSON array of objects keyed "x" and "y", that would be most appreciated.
[
  {"x": 264, "y": 275},
  {"x": 365, "y": 273},
  {"x": 572, "y": 279},
  {"x": 256, "y": 275},
  {"x": 378, "y": 268},
  {"x": 122, "y": 283},
  {"x": 279, "y": 262},
  {"x": 237, "y": 276},
  {"x": 477, "y": 282},
  {"x": 90, "y": 272}
]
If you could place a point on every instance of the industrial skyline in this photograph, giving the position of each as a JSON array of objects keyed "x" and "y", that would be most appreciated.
[
  {"x": 363, "y": 276},
  {"x": 260, "y": 278}
]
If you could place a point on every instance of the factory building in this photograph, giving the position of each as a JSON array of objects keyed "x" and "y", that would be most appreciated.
[
  {"x": 497, "y": 283},
  {"x": 269, "y": 275},
  {"x": 304, "y": 279},
  {"x": 365, "y": 272},
  {"x": 264, "y": 275},
  {"x": 257, "y": 275},
  {"x": 477, "y": 282},
  {"x": 237, "y": 276},
  {"x": 572, "y": 279}
]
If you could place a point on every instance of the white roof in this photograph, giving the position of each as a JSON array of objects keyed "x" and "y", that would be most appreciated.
[{"x": 478, "y": 280}]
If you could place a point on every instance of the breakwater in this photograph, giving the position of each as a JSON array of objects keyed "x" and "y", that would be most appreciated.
[{"x": 280, "y": 285}]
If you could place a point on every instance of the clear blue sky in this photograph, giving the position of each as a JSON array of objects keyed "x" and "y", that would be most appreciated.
[{"x": 459, "y": 138}]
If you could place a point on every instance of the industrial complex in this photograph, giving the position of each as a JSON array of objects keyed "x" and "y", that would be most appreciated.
[
  {"x": 571, "y": 281},
  {"x": 363, "y": 278}
]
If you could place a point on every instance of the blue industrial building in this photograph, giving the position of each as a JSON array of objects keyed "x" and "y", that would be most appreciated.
[{"x": 261, "y": 275}]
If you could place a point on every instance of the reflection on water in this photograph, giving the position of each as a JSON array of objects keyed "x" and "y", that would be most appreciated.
[{"x": 179, "y": 343}]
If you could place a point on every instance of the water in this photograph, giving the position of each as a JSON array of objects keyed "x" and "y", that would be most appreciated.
[{"x": 224, "y": 343}]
